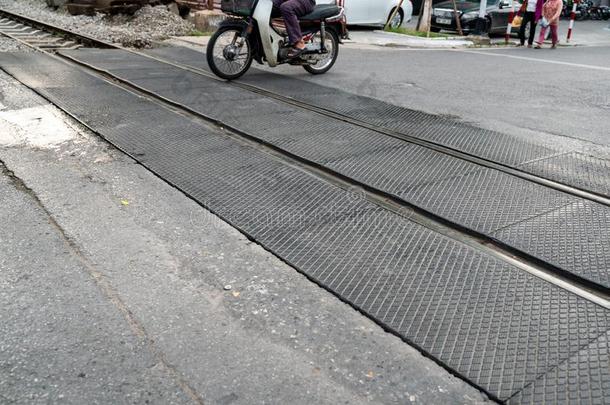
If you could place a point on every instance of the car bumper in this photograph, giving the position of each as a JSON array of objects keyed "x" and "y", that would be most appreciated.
[{"x": 467, "y": 26}]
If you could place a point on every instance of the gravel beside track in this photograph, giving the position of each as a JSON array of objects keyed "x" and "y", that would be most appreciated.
[
  {"x": 10, "y": 45},
  {"x": 146, "y": 25}
]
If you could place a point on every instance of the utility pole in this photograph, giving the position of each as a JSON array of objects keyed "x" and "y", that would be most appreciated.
[{"x": 458, "y": 21}]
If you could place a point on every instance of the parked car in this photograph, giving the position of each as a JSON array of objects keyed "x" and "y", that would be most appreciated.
[
  {"x": 497, "y": 14},
  {"x": 374, "y": 13}
]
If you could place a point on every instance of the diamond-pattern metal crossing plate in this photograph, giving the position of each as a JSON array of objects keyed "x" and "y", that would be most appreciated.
[
  {"x": 398, "y": 170},
  {"x": 447, "y": 131},
  {"x": 95, "y": 55},
  {"x": 440, "y": 295},
  {"x": 483, "y": 143},
  {"x": 581, "y": 170},
  {"x": 184, "y": 55},
  {"x": 483, "y": 200},
  {"x": 499, "y": 327},
  {"x": 78, "y": 100},
  {"x": 53, "y": 74},
  {"x": 583, "y": 379},
  {"x": 572, "y": 168},
  {"x": 487, "y": 200},
  {"x": 574, "y": 237}
]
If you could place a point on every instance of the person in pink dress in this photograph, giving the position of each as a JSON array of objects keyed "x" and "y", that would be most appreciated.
[{"x": 550, "y": 12}]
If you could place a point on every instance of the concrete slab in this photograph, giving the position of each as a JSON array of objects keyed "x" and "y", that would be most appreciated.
[{"x": 65, "y": 336}]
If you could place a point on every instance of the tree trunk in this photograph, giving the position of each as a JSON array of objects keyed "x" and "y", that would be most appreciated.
[
  {"x": 457, "y": 19},
  {"x": 425, "y": 17}
]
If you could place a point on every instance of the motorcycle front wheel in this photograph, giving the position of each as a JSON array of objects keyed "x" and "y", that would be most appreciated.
[
  {"x": 229, "y": 54},
  {"x": 323, "y": 65}
]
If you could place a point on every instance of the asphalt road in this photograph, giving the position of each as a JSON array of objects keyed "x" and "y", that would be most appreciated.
[{"x": 558, "y": 95}]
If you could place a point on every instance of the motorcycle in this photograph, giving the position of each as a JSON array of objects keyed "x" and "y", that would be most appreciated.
[
  {"x": 583, "y": 10},
  {"x": 254, "y": 32}
]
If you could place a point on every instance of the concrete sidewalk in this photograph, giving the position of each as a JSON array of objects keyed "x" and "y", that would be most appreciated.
[
  {"x": 370, "y": 38},
  {"x": 586, "y": 33},
  {"x": 390, "y": 39}
]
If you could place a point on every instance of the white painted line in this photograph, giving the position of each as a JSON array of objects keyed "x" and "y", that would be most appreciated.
[{"x": 554, "y": 62}]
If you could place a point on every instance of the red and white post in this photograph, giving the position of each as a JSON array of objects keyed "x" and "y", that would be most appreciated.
[
  {"x": 572, "y": 18},
  {"x": 509, "y": 27}
]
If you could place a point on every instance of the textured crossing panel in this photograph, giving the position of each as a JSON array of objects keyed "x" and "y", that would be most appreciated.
[
  {"x": 583, "y": 379},
  {"x": 184, "y": 55},
  {"x": 572, "y": 168},
  {"x": 487, "y": 200},
  {"x": 399, "y": 170},
  {"x": 310, "y": 137},
  {"x": 104, "y": 114},
  {"x": 575, "y": 237},
  {"x": 497, "y": 326},
  {"x": 50, "y": 73},
  {"x": 447, "y": 131},
  {"x": 575, "y": 168},
  {"x": 408, "y": 279},
  {"x": 483, "y": 200}
]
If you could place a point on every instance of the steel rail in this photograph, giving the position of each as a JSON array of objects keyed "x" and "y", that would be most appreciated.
[
  {"x": 34, "y": 23},
  {"x": 586, "y": 289}
]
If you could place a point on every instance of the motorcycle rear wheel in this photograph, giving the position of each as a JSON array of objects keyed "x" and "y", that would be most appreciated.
[
  {"x": 225, "y": 57},
  {"x": 332, "y": 45}
]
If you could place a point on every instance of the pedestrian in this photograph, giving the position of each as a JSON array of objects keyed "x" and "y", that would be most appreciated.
[
  {"x": 532, "y": 11},
  {"x": 291, "y": 11},
  {"x": 550, "y": 18}
]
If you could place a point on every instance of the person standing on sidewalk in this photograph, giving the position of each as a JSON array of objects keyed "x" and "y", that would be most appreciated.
[
  {"x": 533, "y": 12},
  {"x": 550, "y": 18},
  {"x": 291, "y": 11}
]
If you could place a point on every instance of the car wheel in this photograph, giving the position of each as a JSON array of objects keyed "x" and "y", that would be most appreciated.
[
  {"x": 397, "y": 20},
  {"x": 490, "y": 28}
]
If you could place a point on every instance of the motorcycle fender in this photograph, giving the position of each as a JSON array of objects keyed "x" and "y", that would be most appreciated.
[
  {"x": 339, "y": 29},
  {"x": 254, "y": 37}
]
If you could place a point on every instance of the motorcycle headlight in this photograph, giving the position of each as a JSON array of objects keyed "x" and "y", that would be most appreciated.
[{"x": 470, "y": 16}]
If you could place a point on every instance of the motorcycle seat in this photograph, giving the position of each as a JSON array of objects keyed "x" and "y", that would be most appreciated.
[{"x": 321, "y": 12}]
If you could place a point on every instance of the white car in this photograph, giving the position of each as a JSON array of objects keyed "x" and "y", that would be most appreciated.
[{"x": 374, "y": 12}]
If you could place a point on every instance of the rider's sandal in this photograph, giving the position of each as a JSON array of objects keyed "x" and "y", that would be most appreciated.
[{"x": 294, "y": 53}]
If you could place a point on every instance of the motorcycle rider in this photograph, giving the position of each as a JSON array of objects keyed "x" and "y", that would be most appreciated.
[{"x": 291, "y": 10}]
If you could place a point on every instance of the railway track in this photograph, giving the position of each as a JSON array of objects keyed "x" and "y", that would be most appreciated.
[
  {"x": 45, "y": 38},
  {"x": 34, "y": 37},
  {"x": 554, "y": 275},
  {"x": 16, "y": 26}
]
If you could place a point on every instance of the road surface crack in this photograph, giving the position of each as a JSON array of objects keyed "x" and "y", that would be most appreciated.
[{"x": 106, "y": 288}]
